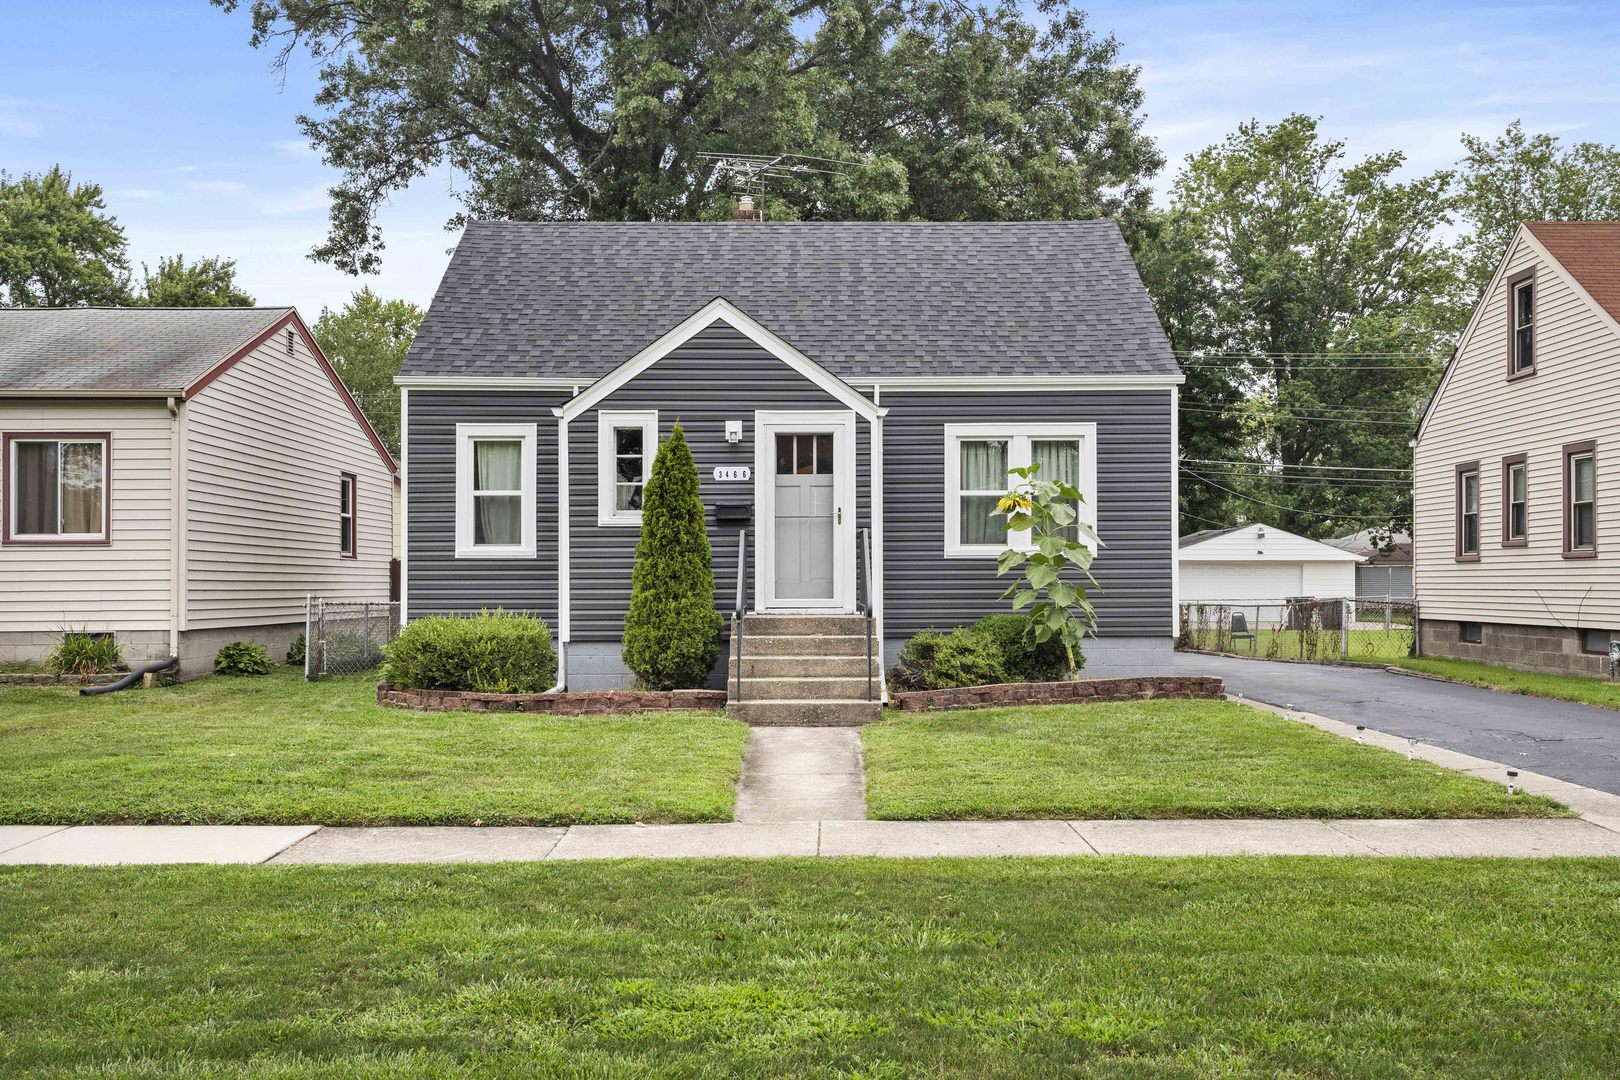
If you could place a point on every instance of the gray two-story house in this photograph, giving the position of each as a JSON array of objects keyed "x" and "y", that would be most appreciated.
[{"x": 846, "y": 388}]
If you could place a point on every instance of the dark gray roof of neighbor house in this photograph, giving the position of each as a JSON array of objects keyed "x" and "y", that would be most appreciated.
[
  {"x": 1399, "y": 552},
  {"x": 863, "y": 299},
  {"x": 1208, "y": 534},
  {"x": 121, "y": 349}
]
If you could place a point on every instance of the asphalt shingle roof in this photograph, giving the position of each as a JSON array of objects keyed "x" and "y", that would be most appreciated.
[
  {"x": 91, "y": 349},
  {"x": 862, "y": 299},
  {"x": 1590, "y": 251}
]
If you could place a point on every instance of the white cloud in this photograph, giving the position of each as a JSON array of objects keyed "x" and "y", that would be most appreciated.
[
  {"x": 297, "y": 148},
  {"x": 136, "y": 193},
  {"x": 217, "y": 187},
  {"x": 301, "y": 201}
]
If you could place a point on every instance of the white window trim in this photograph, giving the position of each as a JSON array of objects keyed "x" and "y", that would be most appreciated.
[
  {"x": 466, "y": 435},
  {"x": 606, "y": 475},
  {"x": 1018, "y": 438},
  {"x": 101, "y": 534}
]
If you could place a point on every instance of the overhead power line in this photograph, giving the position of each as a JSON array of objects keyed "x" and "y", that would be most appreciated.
[
  {"x": 1280, "y": 465},
  {"x": 1296, "y": 510},
  {"x": 1312, "y": 419},
  {"x": 1336, "y": 481}
]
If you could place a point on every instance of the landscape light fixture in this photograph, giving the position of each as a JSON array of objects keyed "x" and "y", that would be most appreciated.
[
  {"x": 1411, "y": 749},
  {"x": 1513, "y": 774},
  {"x": 1360, "y": 729}
]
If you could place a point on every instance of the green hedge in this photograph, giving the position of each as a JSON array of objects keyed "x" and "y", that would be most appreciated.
[
  {"x": 494, "y": 652},
  {"x": 994, "y": 649}
]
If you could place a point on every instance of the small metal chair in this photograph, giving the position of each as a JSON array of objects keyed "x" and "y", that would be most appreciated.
[{"x": 1241, "y": 632}]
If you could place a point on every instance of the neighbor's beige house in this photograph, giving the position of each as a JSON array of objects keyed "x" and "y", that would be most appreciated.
[
  {"x": 1516, "y": 471},
  {"x": 180, "y": 479}
]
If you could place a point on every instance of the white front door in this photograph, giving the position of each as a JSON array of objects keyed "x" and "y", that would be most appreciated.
[{"x": 805, "y": 486}]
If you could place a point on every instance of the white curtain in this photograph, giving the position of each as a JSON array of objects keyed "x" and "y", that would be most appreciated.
[
  {"x": 81, "y": 488},
  {"x": 1059, "y": 460},
  {"x": 983, "y": 468},
  {"x": 498, "y": 467}
]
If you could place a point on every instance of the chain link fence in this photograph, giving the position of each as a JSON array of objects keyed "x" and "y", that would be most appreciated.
[
  {"x": 345, "y": 637},
  {"x": 1303, "y": 629}
]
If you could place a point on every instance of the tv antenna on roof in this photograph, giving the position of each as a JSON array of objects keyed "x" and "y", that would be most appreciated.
[{"x": 747, "y": 173}]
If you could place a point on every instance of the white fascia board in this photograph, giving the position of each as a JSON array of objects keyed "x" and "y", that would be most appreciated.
[
  {"x": 720, "y": 310},
  {"x": 982, "y": 384},
  {"x": 491, "y": 382}
]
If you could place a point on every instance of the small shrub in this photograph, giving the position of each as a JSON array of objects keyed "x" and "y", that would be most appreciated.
[
  {"x": 493, "y": 652},
  {"x": 295, "y": 652},
  {"x": 932, "y": 660},
  {"x": 243, "y": 658},
  {"x": 81, "y": 653},
  {"x": 1023, "y": 659}
]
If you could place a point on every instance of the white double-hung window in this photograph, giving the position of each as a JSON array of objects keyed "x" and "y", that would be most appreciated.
[
  {"x": 978, "y": 458},
  {"x": 625, "y": 445},
  {"x": 495, "y": 488}
]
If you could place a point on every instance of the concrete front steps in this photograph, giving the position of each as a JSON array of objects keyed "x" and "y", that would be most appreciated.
[{"x": 803, "y": 670}]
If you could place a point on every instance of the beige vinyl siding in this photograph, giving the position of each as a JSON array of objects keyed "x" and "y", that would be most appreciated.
[
  {"x": 266, "y": 444},
  {"x": 124, "y": 585},
  {"x": 1481, "y": 416}
]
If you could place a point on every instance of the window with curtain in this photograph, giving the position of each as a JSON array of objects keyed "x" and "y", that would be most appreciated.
[
  {"x": 59, "y": 488},
  {"x": 1468, "y": 513},
  {"x": 980, "y": 457},
  {"x": 495, "y": 490},
  {"x": 625, "y": 445}
]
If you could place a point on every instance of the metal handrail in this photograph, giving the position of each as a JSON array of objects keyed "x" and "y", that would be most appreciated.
[
  {"x": 740, "y": 610},
  {"x": 865, "y": 553}
]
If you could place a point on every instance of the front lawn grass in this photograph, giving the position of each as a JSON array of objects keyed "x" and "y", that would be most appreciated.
[
  {"x": 1599, "y": 692},
  {"x": 1155, "y": 759},
  {"x": 1087, "y": 967},
  {"x": 278, "y": 749}
]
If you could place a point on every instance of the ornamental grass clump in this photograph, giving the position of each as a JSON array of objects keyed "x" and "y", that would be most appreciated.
[
  {"x": 78, "y": 652},
  {"x": 672, "y": 630},
  {"x": 493, "y": 652}
]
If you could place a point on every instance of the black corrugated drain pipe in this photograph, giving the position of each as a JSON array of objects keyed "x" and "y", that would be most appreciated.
[{"x": 131, "y": 679}]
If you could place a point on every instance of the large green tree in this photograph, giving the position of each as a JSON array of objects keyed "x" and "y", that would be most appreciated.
[
  {"x": 597, "y": 109},
  {"x": 366, "y": 340},
  {"x": 58, "y": 245},
  {"x": 1320, "y": 292},
  {"x": 204, "y": 283},
  {"x": 1517, "y": 177}
]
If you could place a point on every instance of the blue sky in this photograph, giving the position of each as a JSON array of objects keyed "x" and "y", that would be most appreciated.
[{"x": 193, "y": 134}]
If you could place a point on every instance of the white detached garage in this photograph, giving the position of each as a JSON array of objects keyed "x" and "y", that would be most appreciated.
[{"x": 1262, "y": 564}]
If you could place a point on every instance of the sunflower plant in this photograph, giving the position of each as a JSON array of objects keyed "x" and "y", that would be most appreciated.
[{"x": 1054, "y": 565}]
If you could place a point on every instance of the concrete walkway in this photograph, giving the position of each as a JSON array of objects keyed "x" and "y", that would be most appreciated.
[{"x": 802, "y": 774}]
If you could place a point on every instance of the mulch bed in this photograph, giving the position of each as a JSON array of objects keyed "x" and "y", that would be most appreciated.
[{"x": 1060, "y": 693}]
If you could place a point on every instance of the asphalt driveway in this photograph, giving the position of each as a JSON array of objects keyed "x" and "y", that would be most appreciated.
[{"x": 1577, "y": 743}]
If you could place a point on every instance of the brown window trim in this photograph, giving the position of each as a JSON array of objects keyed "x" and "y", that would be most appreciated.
[
  {"x": 1457, "y": 507},
  {"x": 1535, "y": 308},
  {"x": 1578, "y": 449},
  {"x": 354, "y": 516},
  {"x": 105, "y": 438},
  {"x": 1508, "y": 539}
]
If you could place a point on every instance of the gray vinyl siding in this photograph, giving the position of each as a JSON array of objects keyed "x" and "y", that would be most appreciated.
[
  {"x": 922, "y": 588},
  {"x": 437, "y": 582},
  {"x": 717, "y": 376}
]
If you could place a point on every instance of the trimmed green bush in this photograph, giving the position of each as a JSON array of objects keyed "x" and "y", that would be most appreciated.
[
  {"x": 1024, "y": 660},
  {"x": 672, "y": 630},
  {"x": 295, "y": 652},
  {"x": 82, "y": 653},
  {"x": 493, "y": 652},
  {"x": 243, "y": 658},
  {"x": 932, "y": 660},
  {"x": 349, "y": 653}
]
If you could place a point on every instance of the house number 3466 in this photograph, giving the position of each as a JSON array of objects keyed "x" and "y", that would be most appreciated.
[{"x": 732, "y": 472}]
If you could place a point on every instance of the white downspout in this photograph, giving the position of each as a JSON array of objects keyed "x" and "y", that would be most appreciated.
[{"x": 177, "y": 531}]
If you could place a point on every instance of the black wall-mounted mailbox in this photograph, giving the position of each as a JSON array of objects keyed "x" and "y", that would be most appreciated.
[{"x": 734, "y": 514}]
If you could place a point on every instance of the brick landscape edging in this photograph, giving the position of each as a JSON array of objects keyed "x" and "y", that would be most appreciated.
[
  {"x": 592, "y": 702},
  {"x": 1203, "y": 687}
]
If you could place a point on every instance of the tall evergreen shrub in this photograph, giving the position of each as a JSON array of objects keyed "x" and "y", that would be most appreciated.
[{"x": 672, "y": 630}]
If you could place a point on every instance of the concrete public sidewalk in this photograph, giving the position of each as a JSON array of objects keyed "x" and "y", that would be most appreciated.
[{"x": 103, "y": 845}]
